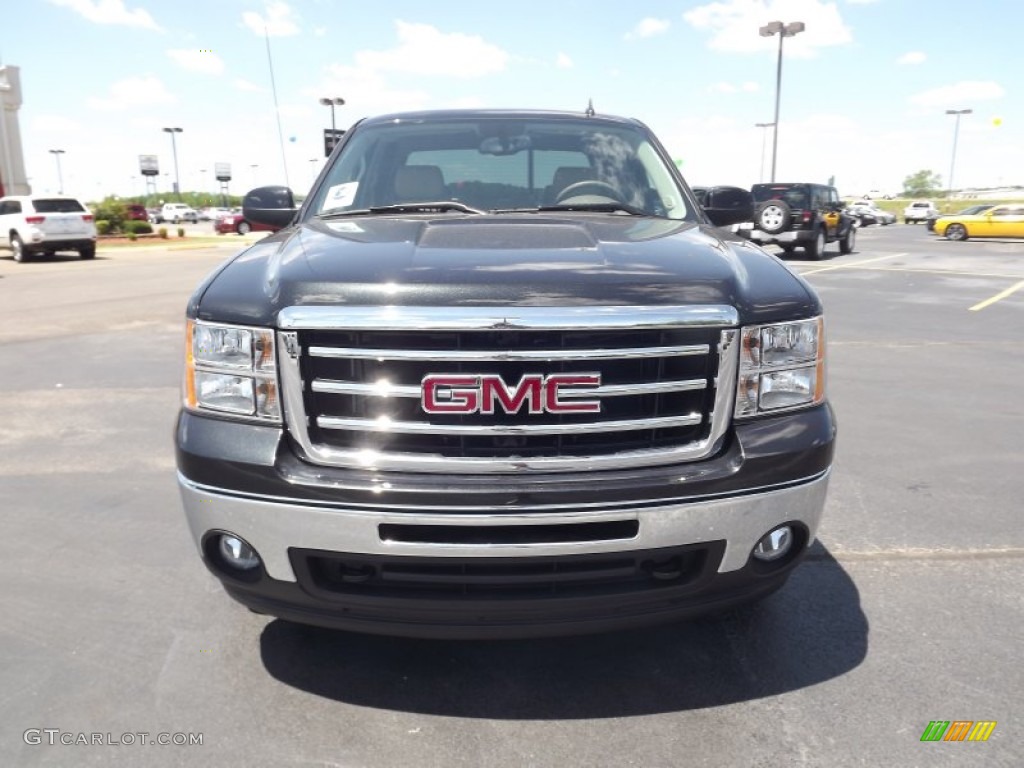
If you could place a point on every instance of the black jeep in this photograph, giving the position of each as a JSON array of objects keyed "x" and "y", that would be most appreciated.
[{"x": 807, "y": 215}]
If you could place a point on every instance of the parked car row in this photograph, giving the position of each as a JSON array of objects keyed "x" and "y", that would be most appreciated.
[{"x": 867, "y": 212}]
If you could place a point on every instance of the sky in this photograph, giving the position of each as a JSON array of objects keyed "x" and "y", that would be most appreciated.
[{"x": 865, "y": 87}]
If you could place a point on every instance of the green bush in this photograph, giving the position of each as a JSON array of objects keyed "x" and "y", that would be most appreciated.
[
  {"x": 132, "y": 236},
  {"x": 102, "y": 227},
  {"x": 181, "y": 231},
  {"x": 138, "y": 227},
  {"x": 111, "y": 210},
  {"x": 162, "y": 232}
]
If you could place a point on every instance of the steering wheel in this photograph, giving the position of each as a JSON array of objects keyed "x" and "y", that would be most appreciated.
[{"x": 591, "y": 186}]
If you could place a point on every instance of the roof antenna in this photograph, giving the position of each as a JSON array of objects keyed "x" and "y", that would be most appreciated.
[{"x": 590, "y": 108}]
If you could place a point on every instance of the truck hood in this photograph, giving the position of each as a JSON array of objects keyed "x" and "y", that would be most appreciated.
[{"x": 539, "y": 259}]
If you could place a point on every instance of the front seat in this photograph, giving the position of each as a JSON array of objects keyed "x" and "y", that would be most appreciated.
[{"x": 419, "y": 184}]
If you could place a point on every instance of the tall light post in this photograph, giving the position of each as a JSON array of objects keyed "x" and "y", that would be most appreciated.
[
  {"x": 956, "y": 134},
  {"x": 254, "y": 166},
  {"x": 783, "y": 31},
  {"x": 60, "y": 176},
  {"x": 174, "y": 151},
  {"x": 332, "y": 102},
  {"x": 764, "y": 139}
]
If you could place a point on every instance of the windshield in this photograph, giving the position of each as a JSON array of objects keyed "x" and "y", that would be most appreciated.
[{"x": 488, "y": 164}]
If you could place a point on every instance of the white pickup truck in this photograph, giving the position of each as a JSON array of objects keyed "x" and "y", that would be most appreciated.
[{"x": 918, "y": 211}]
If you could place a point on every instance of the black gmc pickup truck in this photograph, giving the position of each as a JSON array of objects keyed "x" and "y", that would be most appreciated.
[{"x": 502, "y": 375}]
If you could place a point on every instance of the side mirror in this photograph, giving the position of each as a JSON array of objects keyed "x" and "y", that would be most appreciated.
[
  {"x": 271, "y": 206},
  {"x": 728, "y": 205}
]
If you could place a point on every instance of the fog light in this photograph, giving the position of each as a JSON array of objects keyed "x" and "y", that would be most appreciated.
[
  {"x": 237, "y": 553},
  {"x": 774, "y": 544}
]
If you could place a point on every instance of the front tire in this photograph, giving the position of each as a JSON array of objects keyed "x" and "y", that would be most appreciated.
[
  {"x": 816, "y": 248},
  {"x": 848, "y": 241},
  {"x": 956, "y": 232},
  {"x": 243, "y": 228}
]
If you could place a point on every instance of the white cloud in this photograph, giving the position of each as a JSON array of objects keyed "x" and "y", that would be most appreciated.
[
  {"x": 734, "y": 25},
  {"x": 723, "y": 87},
  {"x": 425, "y": 50},
  {"x": 109, "y": 12},
  {"x": 320, "y": 31},
  {"x": 277, "y": 22},
  {"x": 648, "y": 27},
  {"x": 55, "y": 124},
  {"x": 912, "y": 57},
  {"x": 245, "y": 85},
  {"x": 194, "y": 60},
  {"x": 133, "y": 92},
  {"x": 466, "y": 102},
  {"x": 367, "y": 88},
  {"x": 563, "y": 61},
  {"x": 958, "y": 95}
]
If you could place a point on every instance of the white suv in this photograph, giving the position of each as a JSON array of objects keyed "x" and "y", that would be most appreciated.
[
  {"x": 177, "y": 213},
  {"x": 35, "y": 224},
  {"x": 919, "y": 211}
]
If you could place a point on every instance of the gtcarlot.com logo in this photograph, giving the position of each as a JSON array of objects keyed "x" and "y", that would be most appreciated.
[
  {"x": 958, "y": 730},
  {"x": 55, "y": 736}
]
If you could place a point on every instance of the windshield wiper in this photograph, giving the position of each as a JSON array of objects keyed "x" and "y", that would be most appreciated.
[
  {"x": 440, "y": 206},
  {"x": 609, "y": 207},
  {"x": 437, "y": 207}
]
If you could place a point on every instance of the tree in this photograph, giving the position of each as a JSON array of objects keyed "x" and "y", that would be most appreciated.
[{"x": 922, "y": 184}]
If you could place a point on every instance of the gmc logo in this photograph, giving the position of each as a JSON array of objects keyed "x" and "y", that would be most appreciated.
[{"x": 483, "y": 393}]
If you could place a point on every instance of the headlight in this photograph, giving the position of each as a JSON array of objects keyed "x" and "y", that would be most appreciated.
[
  {"x": 231, "y": 370},
  {"x": 782, "y": 366}
]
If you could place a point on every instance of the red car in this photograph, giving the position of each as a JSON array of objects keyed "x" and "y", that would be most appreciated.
[
  {"x": 135, "y": 212},
  {"x": 236, "y": 222}
]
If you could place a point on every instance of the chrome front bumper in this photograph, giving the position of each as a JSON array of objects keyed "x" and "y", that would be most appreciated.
[{"x": 273, "y": 526}]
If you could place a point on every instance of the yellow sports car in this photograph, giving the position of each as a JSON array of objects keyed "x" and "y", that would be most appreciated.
[{"x": 997, "y": 221}]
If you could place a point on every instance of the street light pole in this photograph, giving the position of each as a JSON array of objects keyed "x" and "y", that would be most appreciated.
[
  {"x": 174, "y": 150},
  {"x": 332, "y": 101},
  {"x": 783, "y": 31},
  {"x": 764, "y": 140},
  {"x": 956, "y": 133},
  {"x": 60, "y": 176}
]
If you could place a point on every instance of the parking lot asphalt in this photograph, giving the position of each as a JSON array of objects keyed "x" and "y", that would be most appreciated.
[{"x": 908, "y": 610}]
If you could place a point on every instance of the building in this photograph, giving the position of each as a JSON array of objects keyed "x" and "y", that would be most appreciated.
[{"x": 12, "y": 161}]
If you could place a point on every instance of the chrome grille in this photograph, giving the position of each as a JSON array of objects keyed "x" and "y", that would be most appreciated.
[{"x": 351, "y": 385}]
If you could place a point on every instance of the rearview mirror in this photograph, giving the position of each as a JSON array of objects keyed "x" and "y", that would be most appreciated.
[
  {"x": 271, "y": 206},
  {"x": 728, "y": 205}
]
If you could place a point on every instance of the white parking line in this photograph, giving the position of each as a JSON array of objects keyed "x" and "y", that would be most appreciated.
[
  {"x": 852, "y": 264},
  {"x": 998, "y": 297}
]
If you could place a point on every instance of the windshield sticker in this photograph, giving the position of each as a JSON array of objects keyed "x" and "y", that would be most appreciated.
[
  {"x": 340, "y": 196},
  {"x": 345, "y": 226}
]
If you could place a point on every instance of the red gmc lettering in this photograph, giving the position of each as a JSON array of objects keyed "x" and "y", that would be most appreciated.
[
  {"x": 527, "y": 390},
  {"x": 555, "y": 404},
  {"x": 538, "y": 393},
  {"x": 459, "y": 394}
]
